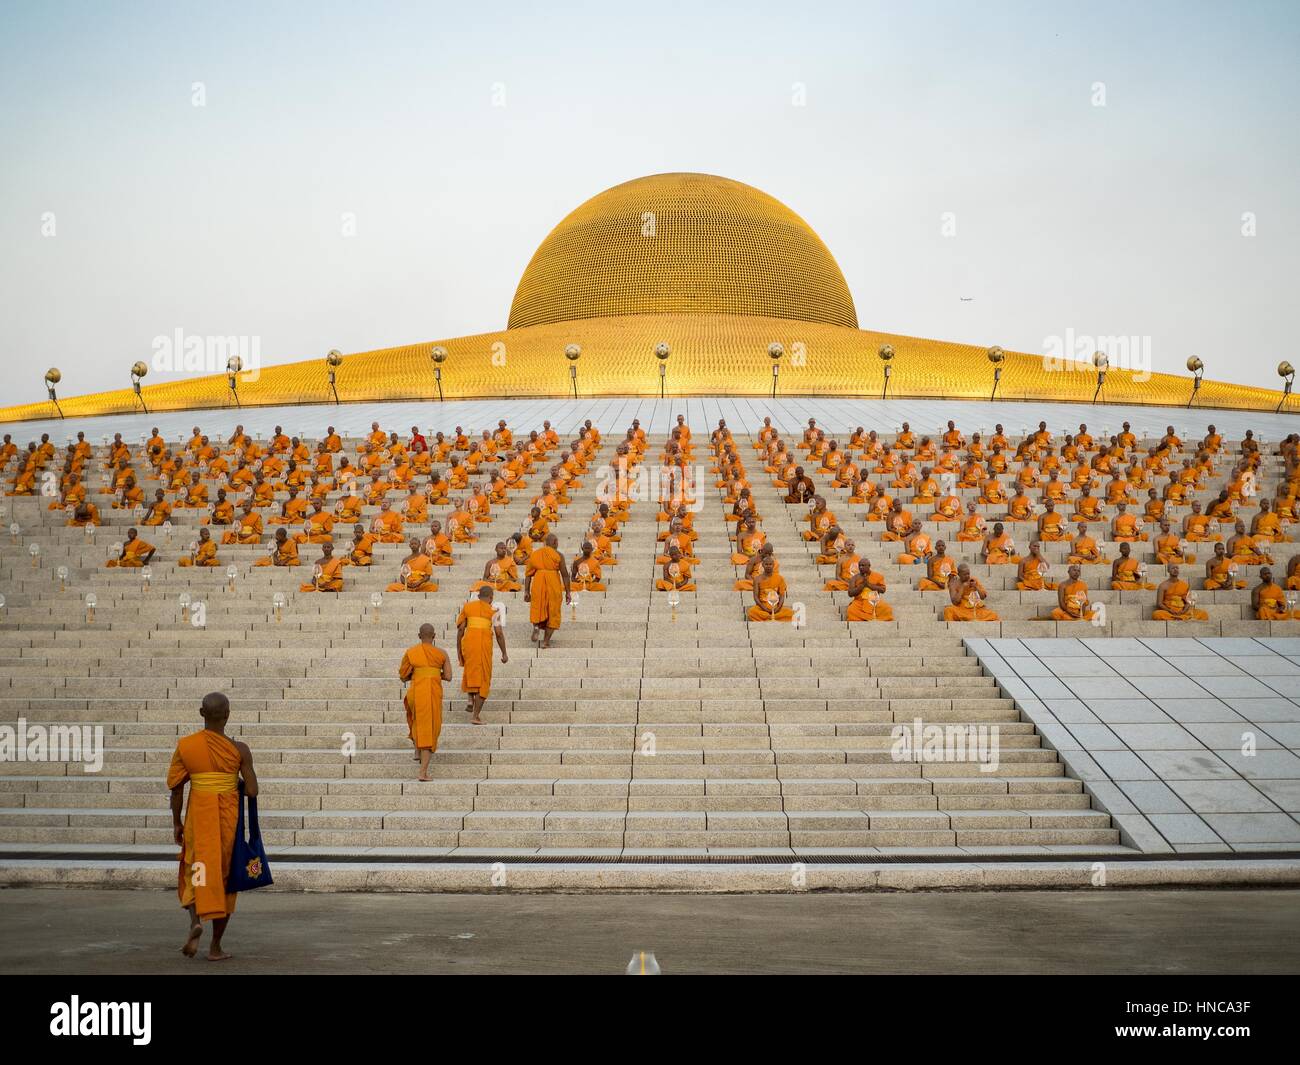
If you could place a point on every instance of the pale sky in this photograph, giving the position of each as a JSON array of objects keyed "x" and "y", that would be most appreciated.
[{"x": 1122, "y": 219}]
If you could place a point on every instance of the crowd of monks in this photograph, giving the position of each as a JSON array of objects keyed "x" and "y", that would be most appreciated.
[{"x": 297, "y": 501}]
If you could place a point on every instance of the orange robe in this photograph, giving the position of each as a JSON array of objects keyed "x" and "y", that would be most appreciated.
[
  {"x": 476, "y": 647},
  {"x": 863, "y": 609},
  {"x": 209, "y": 762},
  {"x": 206, "y": 555},
  {"x": 330, "y": 579},
  {"x": 1076, "y": 598},
  {"x": 421, "y": 667},
  {"x": 546, "y": 592},
  {"x": 1173, "y": 603},
  {"x": 420, "y": 570},
  {"x": 773, "y": 585},
  {"x": 133, "y": 557}
]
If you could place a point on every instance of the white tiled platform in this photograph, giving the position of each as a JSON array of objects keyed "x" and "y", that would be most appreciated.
[
  {"x": 1190, "y": 744},
  {"x": 743, "y": 414}
]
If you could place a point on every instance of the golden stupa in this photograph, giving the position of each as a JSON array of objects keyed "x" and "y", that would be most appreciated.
[{"x": 715, "y": 269}]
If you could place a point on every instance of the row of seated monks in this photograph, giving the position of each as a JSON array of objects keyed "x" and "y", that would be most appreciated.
[
  {"x": 930, "y": 474},
  {"x": 1039, "y": 467}
]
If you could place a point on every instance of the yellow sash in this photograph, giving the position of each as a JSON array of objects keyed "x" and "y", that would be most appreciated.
[
  {"x": 214, "y": 782},
  {"x": 421, "y": 672},
  {"x": 478, "y": 623}
]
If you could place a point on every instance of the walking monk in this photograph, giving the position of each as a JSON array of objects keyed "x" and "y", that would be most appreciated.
[
  {"x": 476, "y": 624},
  {"x": 212, "y": 763},
  {"x": 424, "y": 667},
  {"x": 546, "y": 588}
]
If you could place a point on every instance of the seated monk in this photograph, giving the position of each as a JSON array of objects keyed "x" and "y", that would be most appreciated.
[
  {"x": 898, "y": 524},
  {"x": 846, "y": 565},
  {"x": 604, "y": 547},
  {"x": 676, "y": 573},
  {"x": 416, "y": 574},
  {"x": 348, "y": 508},
  {"x": 676, "y": 538},
  {"x": 769, "y": 594},
  {"x": 500, "y": 573},
  {"x": 85, "y": 513},
  {"x": 1127, "y": 573},
  {"x": 1293, "y": 573},
  {"x": 1169, "y": 546},
  {"x": 865, "y": 590},
  {"x": 1269, "y": 601},
  {"x": 947, "y": 509},
  {"x": 159, "y": 510},
  {"x": 820, "y": 520},
  {"x": 1221, "y": 510},
  {"x": 204, "y": 552},
  {"x": 1197, "y": 527},
  {"x": 1267, "y": 526},
  {"x": 1125, "y": 527},
  {"x": 326, "y": 573},
  {"x": 1051, "y": 525},
  {"x": 831, "y": 546},
  {"x": 1087, "y": 507},
  {"x": 135, "y": 552},
  {"x": 1084, "y": 550},
  {"x": 1244, "y": 550},
  {"x": 999, "y": 549},
  {"x": 748, "y": 540},
  {"x": 1221, "y": 571},
  {"x": 319, "y": 527},
  {"x": 1031, "y": 575},
  {"x": 249, "y": 529},
  {"x": 292, "y": 512},
  {"x": 938, "y": 568},
  {"x": 754, "y": 567},
  {"x": 584, "y": 575},
  {"x": 387, "y": 526},
  {"x": 1072, "y": 599},
  {"x": 1021, "y": 508},
  {"x": 362, "y": 551},
  {"x": 437, "y": 545},
  {"x": 1174, "y": 601},
  {"x": 967, "y": 597},
  {"x": 972, "y": 525},
  {"x": 916, "y": 548},
  {"x": 284, "y": 552}
]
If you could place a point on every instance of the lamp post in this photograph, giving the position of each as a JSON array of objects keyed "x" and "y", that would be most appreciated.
[
  {"x": 662, "y": 351},
  {"x": 334, "y": 360},
  {"x": 1287, "y": 372},
  {"x": 774, "y": 352},
  {"x": 996, "y": 356},
  {"x": 52, "y": 378},
  {"x": 886, "y": 354},
  {"x": 233, "y": 365},
  {"x": 573, "y": 352},
  {"x": 439, "y": 356},
  {"x": 138, "y": 372},
  {"x": 1102, "y": 362},
  {"x": 1197, "y": 368}
]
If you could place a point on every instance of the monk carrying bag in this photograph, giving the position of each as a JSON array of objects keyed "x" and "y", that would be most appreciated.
[{"x": 248, "y": 865}]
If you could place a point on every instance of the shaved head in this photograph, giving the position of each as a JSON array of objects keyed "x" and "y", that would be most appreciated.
[
  {"x": 426, "y": 631},
  {"x": 485, "y": 593},
  {"x": 215, "y": 707}
]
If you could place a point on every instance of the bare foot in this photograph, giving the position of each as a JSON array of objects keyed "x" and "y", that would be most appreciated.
[
  {"x": 532, "y": 636},
  {"x": 216, "y": 954},
  {"x": 191, "y": 945},
  {"x": 476, "y": 720},
  {"x": 424, "y": 780}
]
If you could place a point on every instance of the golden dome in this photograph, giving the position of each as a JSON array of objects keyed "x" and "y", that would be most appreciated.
[{"x": 682, "y": 244}]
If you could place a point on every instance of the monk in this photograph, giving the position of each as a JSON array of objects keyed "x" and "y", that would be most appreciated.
[
  {"x": 1084, "y": 550},
  {"x": 769, "y": 595},
  {"x": 476, "y": 625},
  {"x": 676, "y": 573},
  {"x": 1269, "y": 601},
  {"x": 1126, "y": 572},
  {"x": 424, "y": 668},
  {"x": 500, "y": 572},
  {"x": 1173, "y": 601},
  {"x": 585, "y": 572},
  {"x": 213, "y": 765},
  {"x": 1032, "y": 571},
  {"x": 846, "y": 565},
  {"x": 135, "y": 552},
  {"x": 967, "y": 595},
  {"x": 327, "y": 573},
  {"x": 938, "y": 568},
  {"x": 1072, "y": 599},
  {"x": 362, "y": 551},
  {"x": 284, "y": 552},
  {"x": 204, "y": 553},
  {"x": 546, "y": 588},
  {"x": 417, "y": 571},
  {"x": 865, "y": 589},
  {"x": 1221, "y": 571}
]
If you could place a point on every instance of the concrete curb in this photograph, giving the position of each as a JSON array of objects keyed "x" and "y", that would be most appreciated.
[{"x": 783, "y": 878}]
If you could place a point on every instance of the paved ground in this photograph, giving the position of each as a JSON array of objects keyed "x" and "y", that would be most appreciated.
[{"x": 1137, "y": 932}]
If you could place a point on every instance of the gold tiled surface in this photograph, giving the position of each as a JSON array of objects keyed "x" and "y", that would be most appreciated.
[
  {"x": 712, "y": 354},
  {"x": 682, "y": 244}
]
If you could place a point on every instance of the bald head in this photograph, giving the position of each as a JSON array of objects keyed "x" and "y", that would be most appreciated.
[
  {"x": 485, "y": 593},
  {"x": 426, "y": 632},
  {"x": 215, "y": 708}
]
